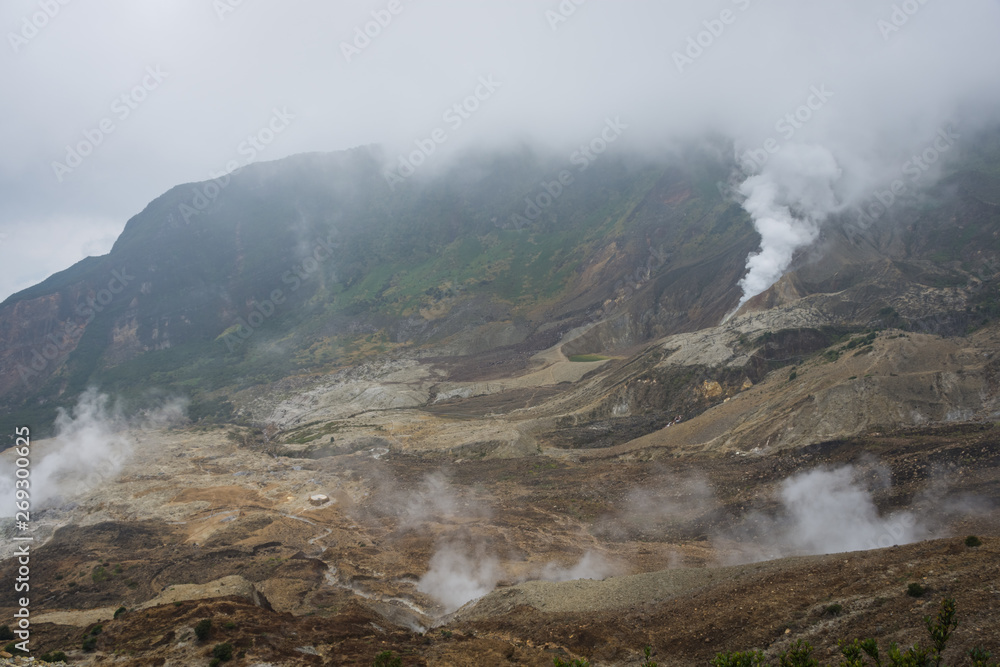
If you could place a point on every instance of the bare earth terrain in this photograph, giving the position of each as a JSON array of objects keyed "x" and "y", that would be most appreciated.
[{"x": 392, "y": 496}]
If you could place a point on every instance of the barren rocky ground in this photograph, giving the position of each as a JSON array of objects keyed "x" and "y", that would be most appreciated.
[{"x": 681, "y": 539}]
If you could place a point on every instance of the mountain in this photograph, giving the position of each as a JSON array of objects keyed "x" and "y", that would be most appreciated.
[
  {"x": 303, "y": 266},
  {"x": 420, "y": 417}
]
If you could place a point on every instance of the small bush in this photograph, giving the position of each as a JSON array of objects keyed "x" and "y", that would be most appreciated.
[
  {"x": 203, "y": 629},
  {"x": 120, "y": 611},
  {"x": 90, "y": 643},
  {"x": 833, "y": 609},
  {"x": 792, "y": 376},
  {"x": 54, "y": 656},
  {"x": 6, "y": 633},
  {"x": 579, "y": 662},
  {"x": 739, "y": 659},
  {"x": 858, "y": 652},
  {"x": 973, "y": 541},
  {"x": 14, "y": 650},
  {"x": 915, "y": 590},
  {"x": 387, "y": 659},
  {"x": 96, "y": 630},
  {"x": 99, "y": 574},
  {"x": 223, "y": 652},
  {"x": 648, "y": 653},
  {"x": 229, "y": 625}
]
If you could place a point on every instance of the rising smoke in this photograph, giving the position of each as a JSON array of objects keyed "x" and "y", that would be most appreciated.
[
  {"x": 459, "y": 573},
  {"x": 466, "y": 564},
  {"x": 830, "y": 510},
  {"x": 91, "y": 445},
  {"x": 788, "y": 202}
]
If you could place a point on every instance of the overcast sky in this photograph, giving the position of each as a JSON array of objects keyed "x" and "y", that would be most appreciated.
[{"x": 182, "y": 84}]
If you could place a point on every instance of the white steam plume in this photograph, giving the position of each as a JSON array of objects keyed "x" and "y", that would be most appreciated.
[
  {"x": 460, "y": 574},
  {"x": 90, "y": 447},
  {"x": 788, "y": 201},
  {"x": 592, "y": 565},
  {"x": 823, "y": 511}
]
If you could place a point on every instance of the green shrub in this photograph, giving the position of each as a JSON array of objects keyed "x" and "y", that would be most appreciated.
[
  {"x": 6, "y": 633},
  {"x": 739, "y": 659},
  {"x": 858, "y": 652},
  {"x": 647, "y": 653},
  {"x": 54, "y": 656},
  {"x": 96, "y": 630},
  {"x": 915, "y": 590},
  {"x": 203, "y": 629},
  {"x": 387, "y": 659},
  {"x": 120, "y": 611},
  {"x": 223, "y": 652},
  {"x": 90, "y": 643},
  {"x": 973, "y": 541},
  {"x": 14, "y": 650},
  {"x": 981, "y": 658},
  {"x": 579, "y": 662},
  {"x": 792, "y": 376},
  {"x": 229, "y": 625},
  {"x": 833, "y": 609},
  {"x": 99, "y": 574}
]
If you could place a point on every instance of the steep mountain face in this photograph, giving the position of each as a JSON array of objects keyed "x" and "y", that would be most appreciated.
[{"x": 311, "y": 264}]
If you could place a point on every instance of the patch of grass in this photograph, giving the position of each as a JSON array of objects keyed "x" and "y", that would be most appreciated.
[
  {"x": 54, "y": 656},
  {"x": 387, "y": 659},
  {"x": 99, "y": 574}
]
